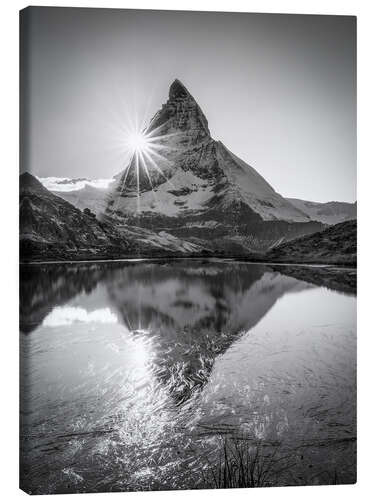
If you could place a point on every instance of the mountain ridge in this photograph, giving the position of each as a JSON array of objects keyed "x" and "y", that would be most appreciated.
[
  {"x": 330, "y": 212},
  {"x": 93, "y": 197},
  {"x": 183, "y": 194}
]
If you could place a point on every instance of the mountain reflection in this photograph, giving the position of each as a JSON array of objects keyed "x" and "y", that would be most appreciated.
[
  {"x": 43, "y": 287},
  {"x": 191, "y": 311},
  {"x": 129, "y": 368}
]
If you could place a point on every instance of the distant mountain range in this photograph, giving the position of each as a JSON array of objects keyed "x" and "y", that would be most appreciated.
[
  {"x": 191, "y": 196},
  {"x": 330, "y": 213},
  {"x": 88, "y": 195}
]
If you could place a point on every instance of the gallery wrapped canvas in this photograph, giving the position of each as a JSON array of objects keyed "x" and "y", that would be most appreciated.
[{"x": 188, "y": 250}]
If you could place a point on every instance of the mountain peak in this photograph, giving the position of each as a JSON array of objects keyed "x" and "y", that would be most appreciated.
[
  {"x": 28, "y": 181},
  {"x": 181, "y": 113},
  {"x": 178, "y": 90}
]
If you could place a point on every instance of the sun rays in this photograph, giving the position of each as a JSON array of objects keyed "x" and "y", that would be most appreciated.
[
  {"x": 147, "y": 154},
  {"x": 145, "y": 147}
]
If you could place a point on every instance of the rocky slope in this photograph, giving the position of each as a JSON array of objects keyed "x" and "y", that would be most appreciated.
[
  {"x": 53, "y": 229},
  {"x": 50, "y": 227},
  {"x": 330, "y": 213},
  {"x": 335, "y": 245},
  {"x": 192, "y": 186}
]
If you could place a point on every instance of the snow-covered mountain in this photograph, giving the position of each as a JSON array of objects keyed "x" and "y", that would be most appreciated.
[
  {"x": 93, "y": 194},
  {"x": 87, "y": 197},
  {"x": 80, "y": 192},
  {"x": 186, "y": 192},
  {"x": 192, "y": 186},
  {"x": 194, "y": 172}
]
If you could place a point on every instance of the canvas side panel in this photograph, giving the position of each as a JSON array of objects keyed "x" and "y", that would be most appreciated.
[{"x": 24, "y": 155}]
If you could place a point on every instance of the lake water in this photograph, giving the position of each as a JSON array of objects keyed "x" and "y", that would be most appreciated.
[{"x": 149, "y": 375}]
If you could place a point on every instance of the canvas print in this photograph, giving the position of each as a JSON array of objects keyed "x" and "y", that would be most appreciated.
[{"x": 187, "y": 250}]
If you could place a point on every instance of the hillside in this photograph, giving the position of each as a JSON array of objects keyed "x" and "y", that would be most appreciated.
[
  {"x": 331, "y": 212},
  {"x": 335, "y": 245},
  {"x": 50, "y": 227}
]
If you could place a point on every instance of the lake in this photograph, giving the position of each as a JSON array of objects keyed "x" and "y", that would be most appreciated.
[{"x": 180, "y": 374}]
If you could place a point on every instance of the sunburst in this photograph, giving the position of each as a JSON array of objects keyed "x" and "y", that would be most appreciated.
[
  {"x": 146, "y": 151},
  {"x": 138, "y": 142}
]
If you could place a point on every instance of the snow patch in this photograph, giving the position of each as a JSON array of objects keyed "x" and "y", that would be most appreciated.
[{"x": 163, "y": 199}]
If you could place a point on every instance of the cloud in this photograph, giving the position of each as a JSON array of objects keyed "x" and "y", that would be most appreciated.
[{"x": 65, "y": 184}]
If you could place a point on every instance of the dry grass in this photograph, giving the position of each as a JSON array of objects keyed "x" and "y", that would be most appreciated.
[{"x": 245, "y": 464}]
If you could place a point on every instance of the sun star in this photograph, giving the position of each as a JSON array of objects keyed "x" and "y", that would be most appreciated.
[
  {"x": 145, "y": 152},
  {"x": 138, "y": 142}
]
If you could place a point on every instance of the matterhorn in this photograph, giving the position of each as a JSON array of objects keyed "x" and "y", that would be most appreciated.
[{"x": 187, "y": 185}]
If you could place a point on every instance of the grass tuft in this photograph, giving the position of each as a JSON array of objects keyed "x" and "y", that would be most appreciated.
[{"x": 245, "y": 464}]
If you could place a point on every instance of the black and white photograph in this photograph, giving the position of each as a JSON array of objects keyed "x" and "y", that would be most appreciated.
[{"x": 188, "y": 250}]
